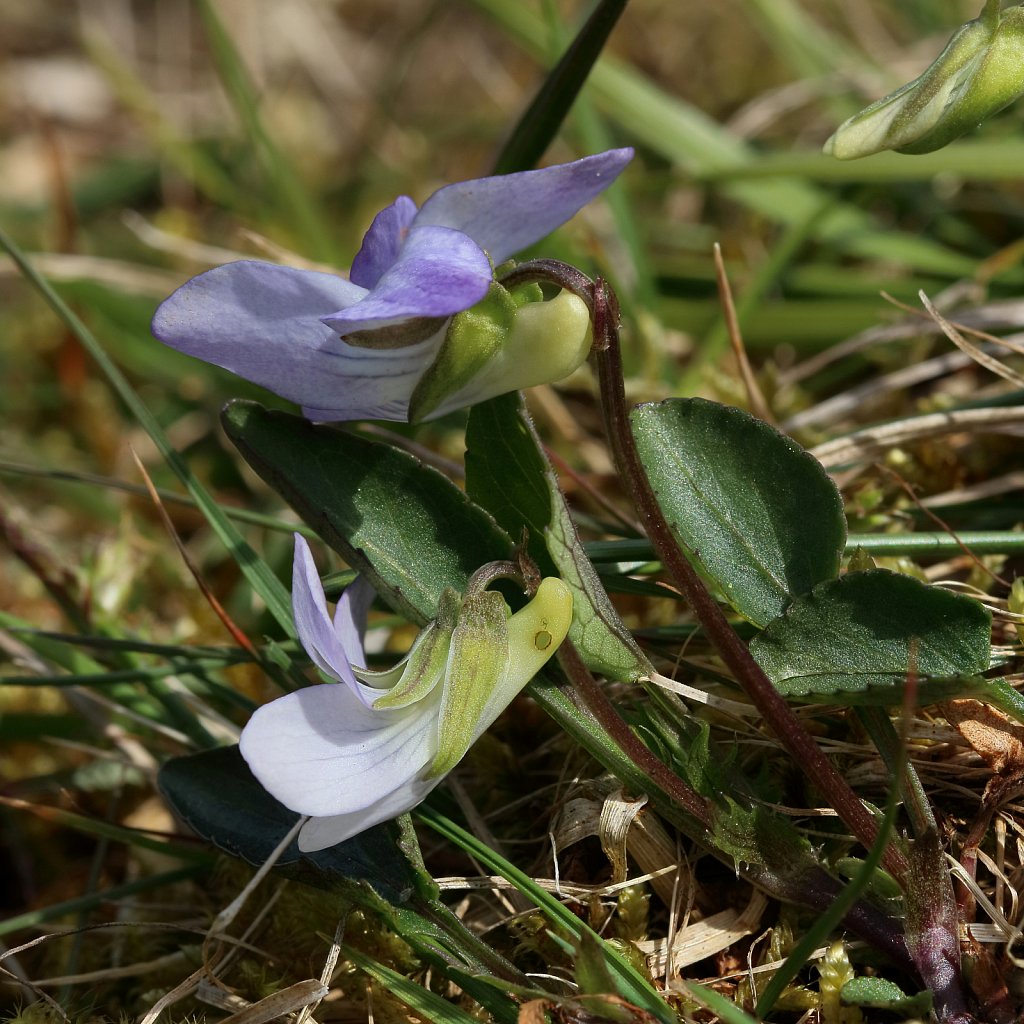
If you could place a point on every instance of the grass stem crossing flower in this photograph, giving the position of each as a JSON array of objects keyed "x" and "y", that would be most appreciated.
[{"x": 357, "y": 348}]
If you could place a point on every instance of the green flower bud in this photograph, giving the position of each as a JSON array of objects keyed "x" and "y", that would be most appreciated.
[
  {"x": 510, "y": 340},
  {"x": 979, "y": 72}
]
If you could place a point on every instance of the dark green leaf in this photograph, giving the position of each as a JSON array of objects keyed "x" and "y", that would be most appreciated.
[
  {"x": 542, "y": 119},
  {"x": 219, "y": 798},
  {"x": 410, "y": 529},
  {"x": 509, "y": 475},
  {"x": 855, "y": 639},
  {"x": 760, "y": 516}
]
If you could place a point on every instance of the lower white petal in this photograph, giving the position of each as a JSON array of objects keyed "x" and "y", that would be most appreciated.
[
  {"x": 321, "y": 751},
  {"x": 319, "y": 833}
]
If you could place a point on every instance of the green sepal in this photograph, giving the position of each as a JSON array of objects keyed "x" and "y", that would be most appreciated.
[
  {"x": 424, "y": 666},
  {"x": 492, "y": 658},
  {"x": 477, "y": 661},
  {"x": 474, "y": 337},
  {"x": 509, "y": 341}
]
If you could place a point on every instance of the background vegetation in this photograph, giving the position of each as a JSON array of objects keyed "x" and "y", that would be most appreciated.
[{"x": 143, "y": 142}]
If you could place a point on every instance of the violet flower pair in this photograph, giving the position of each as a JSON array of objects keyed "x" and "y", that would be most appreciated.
[{"x": 420, "y": 328}]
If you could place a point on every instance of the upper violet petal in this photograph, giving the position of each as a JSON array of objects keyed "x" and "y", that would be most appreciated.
[
  {"x": 507, "y": 213},
  {"x": 382, "y": 243},
  {"x": 332, "y": 652},
  {"x": 350, "y": 619},
  {"x": 321, "y": 752},
  {"x": 438, "y": 272},
  {"x": 312, "y": 619}
]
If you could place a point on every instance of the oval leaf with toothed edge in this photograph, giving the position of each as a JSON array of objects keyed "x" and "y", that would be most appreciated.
[
  {"x": 758, "y": 514},
  {"x": 403, "y": 524},
  {"x": 855, "y": 640}
]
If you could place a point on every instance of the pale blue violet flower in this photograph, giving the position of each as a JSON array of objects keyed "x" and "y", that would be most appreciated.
[
  {"x": 357, "y": 348},
  {"x": 372, "y": 745}
]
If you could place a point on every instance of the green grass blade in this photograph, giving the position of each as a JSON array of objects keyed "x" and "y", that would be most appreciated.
[
  {"x": 635, "y": 988},
  {"x": 783, "y": 254},
  {"x": 186, "y": 158},
  {"x": 298, "y": 205},
  {"x": 724, "y": 1010},
  {"x": 917, "y": 545},
  {"x": 234, "y": 513},
  {"x": 116, "y": 833},
  {"x": 35, "y": 918},
  {"x": 422, "y": 1001},
  {"x": 695, "y": 142},
  {"x": 817, "y": 932},
  {"x": 977, "y": 159},
  {"x": 809, "y": 49},
  {"x": 640, "y": 298}
]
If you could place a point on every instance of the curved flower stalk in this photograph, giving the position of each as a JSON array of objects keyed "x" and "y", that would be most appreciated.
[
  {"x": 358, "y": 348},
  {"x": 979, "y": 72},
  {"x": 371, "y": 746}
]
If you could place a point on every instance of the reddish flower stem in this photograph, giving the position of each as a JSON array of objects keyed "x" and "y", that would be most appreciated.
[
  {"x": 777, "y": 714},
  {"x": 618, "y": 729}
]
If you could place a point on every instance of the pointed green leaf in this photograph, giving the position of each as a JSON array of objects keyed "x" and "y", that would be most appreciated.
[
  {"x": 219, "y": 798},
  {"x": 855, "y": 639},
  {"x": 509, "y": 475},
  {"x": 410, "y": 529},
  {"x": 759, "y": 515}
]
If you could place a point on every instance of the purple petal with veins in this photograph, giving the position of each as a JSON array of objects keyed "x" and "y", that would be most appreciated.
[
  {"x": 438, "y": 272},
  {"x": 261, "y": 321}
]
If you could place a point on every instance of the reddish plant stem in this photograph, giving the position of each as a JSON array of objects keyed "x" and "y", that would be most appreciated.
[
  {"x": 618, "y": 729},
  {"x": 776, "y": 713}
]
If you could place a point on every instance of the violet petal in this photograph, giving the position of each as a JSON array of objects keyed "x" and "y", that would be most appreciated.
[
  {"x": 320, "y": 751},
  {"x": 332, "y": 650},
  {"x": 438, "y": 272},
  {"x": 509, "y": 212},
  {"x": 382, "y": 242},
  {"x": 320, "y": 833}
]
